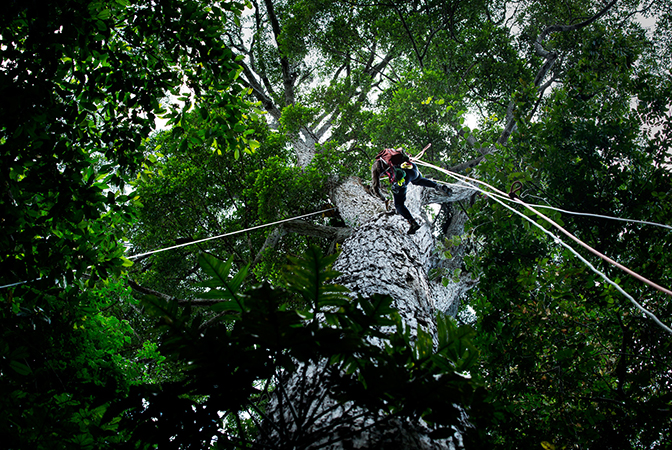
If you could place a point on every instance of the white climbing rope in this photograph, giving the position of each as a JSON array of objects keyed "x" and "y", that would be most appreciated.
[
  {"x": 502, "y": 195},
  {"x": 196, "y": 242},
  {"x": 228, "y": 234}
]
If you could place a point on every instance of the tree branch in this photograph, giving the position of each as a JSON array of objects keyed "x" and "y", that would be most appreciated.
[
  {"x": 553, "y": 28},
  {"x": 410, "y": 36},
  {"x": 467, "y": 165},
  {"x": 270, "y": 242},
  {"x": 262, "y": 72},
  {"x": 287, "y": 76},
  {"x": 194, "y": 301},
  {"x": 550, "y": 58},
  {"x": 337, "y": 234},
  {"x": 321, "y": 231},
  {"x": 258, "y": 91}
]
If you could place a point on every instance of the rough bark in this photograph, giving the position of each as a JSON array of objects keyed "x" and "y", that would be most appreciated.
[
  {"x": 381, "y": 258},
  {"x": 378, "y": 257},
  {"x": 310, "y": 419}
]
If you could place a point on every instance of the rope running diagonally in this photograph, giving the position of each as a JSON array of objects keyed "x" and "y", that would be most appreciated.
[
  {"x": 561, "y": 229},
  {"x": 229, "y": 234},
  {"x": 506, "y": 197},
  {"x": 198, "y": 241}
]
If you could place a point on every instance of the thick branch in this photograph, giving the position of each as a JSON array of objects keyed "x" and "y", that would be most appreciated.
[
  {"x": 551, "y": 58},
  {"x": 270, "y": 242},
  {"x": 262, "y": 73},
  {"x": 553, "y": 28},
  {"x": 195, "y": 301},
  {"x": 320, "y": 231},
  {"x": 319, "y": 134},
  {"x": 258, "y": 91},
  {"x": 467, "y": 165},
  {"x": 287, "y": 76},
  {"x": 304, "y": 228},
  {"x": 380, "y": 67},
  {"x": 410, "y": 36}
]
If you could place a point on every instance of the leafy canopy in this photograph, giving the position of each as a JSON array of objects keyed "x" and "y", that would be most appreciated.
[
  {"x": 82, "y": 83},
  {"x": 362, "y": 351}
]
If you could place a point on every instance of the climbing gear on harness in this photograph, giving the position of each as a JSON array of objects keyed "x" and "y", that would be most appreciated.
[
  {"x": 414, "y": 226},
  {"x": 393, "y": 159},
  {"x": 399, "y": 176}
]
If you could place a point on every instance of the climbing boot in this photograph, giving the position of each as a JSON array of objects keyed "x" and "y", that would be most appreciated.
[
  {"x": 414, "y": 226},
  {"x": 444, "y": 189}
]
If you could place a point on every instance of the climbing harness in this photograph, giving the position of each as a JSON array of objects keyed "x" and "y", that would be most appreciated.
[{"x": 393, "y": 158}]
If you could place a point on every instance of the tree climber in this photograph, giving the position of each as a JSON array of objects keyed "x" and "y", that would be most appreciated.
[{"x": 400, "y": 170}]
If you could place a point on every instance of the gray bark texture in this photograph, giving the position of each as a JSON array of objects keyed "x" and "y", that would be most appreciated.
[{"x": 378, "y": 257}]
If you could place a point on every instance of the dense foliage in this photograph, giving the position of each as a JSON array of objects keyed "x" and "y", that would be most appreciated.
[
  {"x": 571, "y": 98},
  {"x": 81, "y": 83},
  {"x": 570, "y": 361},
  {"x": 234, "y": 363},
  {"x": 191, "y": 192}
]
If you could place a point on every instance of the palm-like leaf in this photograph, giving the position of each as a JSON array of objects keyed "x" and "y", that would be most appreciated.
[
  {"x": 221, "y": 284},
  {"x": 309, "y": 276}
]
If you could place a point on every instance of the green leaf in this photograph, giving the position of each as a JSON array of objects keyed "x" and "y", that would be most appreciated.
[
  {"x": 226, "y": 306},
  {"x": 126, "y": 262},
  {"x": 216, "y": 268},
  {"x": 105, "y": 14},
  {"x": 20, "y": 368},
  {"x": 219, "y": 271},
  {"x": 253, "y": 144},
  {"x": 308, "y": 274},
  {"x": 424, "y": 344}
]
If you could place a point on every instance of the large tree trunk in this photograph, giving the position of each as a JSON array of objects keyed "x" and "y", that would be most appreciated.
[{"x": 378, "y": 257}]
